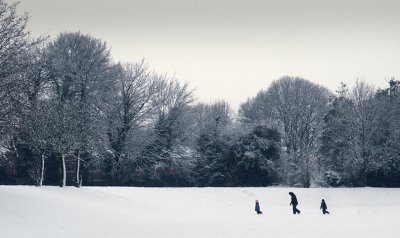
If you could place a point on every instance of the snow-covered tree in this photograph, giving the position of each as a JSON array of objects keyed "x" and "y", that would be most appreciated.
[
  {"x": 132, "y": 105},
  {"x": 14, "y": 42},
  {"x": 37, "y": 129},
  {"x": 168, "y": 132},
  {"x": 295, "y": 107},
  {"x": 211, "y": 123},
  {"x": 82, "y": 76},
  {"x": 16, "y": 46}
]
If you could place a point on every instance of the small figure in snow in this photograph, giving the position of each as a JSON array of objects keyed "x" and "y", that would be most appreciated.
[
  {"x": 324, "y": 207},
  {"x": 294, "y": 203},
  {"x": 258, "y": 210}
]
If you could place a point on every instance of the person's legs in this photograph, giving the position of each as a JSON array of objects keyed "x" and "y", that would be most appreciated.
[{"x": 295, "y": 210}]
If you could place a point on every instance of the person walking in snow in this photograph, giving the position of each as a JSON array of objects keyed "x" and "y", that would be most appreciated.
[
  {"x": 258, "y": 210},
  {"x": 294, "y": 203},
  {"x": 324, "y": 207}
]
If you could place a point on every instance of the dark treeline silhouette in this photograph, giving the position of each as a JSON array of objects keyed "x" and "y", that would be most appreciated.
[{"x": 70, "y": 115}]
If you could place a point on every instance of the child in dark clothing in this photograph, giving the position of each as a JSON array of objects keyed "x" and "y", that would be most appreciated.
[
  {"x": 324, "y": 207},
  {"x": 258, "y": 210}
]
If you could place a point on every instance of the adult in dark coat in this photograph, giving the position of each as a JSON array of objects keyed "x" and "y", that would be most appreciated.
[
  {"x": 294, "y": 203},
  {"x": 324, "y": 207},
  {"x": 258, "y": 210}
]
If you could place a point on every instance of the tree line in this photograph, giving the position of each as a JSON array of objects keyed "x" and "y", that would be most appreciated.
[{"x": 71, "y": 115}]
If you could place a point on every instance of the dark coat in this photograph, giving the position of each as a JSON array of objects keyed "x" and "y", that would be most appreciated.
[
  {"x": 323, "y": 205},
  {"x": 293, "y": 199},
  {"x": 257, "y": 207}
]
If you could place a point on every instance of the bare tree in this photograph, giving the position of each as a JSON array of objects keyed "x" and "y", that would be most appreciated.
[
  {"x": 351, "y": 127},
  {"x": 65, "y": 134},
  {"x": 82, "y": 77},
  {"x": 79, "y": 65},
  {"x": 172, "y": 102},
  {"x": 296, "y": 107},
  {"x": 15, "y": 42},
  {"x": 362, "y": 124},
  {"x": 132, "y": 107},
  {"x": 37, "y": 129}
]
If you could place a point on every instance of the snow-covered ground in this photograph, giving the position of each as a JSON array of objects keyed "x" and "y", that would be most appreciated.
[{"x": 117, "y": 212}]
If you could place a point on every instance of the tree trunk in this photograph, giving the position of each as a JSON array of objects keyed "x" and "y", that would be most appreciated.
[
  {"x": 364, "y": 174},
  {"x": 78, "y": 165},
  {"x": 41, "y": 172},
  {"x": 14, "y": 147},
  {"x": 64, "y": 171}
]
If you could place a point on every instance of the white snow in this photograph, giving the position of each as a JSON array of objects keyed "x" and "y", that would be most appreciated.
[{"x": 54, "y": 212}]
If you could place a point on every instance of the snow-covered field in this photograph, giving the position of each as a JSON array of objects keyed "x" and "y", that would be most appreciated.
[{"x": 53, "y": 212}]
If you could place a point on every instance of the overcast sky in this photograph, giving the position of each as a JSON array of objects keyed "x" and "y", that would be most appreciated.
[{"x": 232, "y": 49}]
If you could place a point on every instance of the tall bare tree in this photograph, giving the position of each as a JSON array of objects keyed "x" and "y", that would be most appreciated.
[
  {"x": 82, "y": 76},
  {"x": 172, "y": 102},
  {"x": 363, "y": 118},
  {"x": 296, "y": 107},
  {"x": 351, "y": 127},
  {"x": 132, "y": 108},
  {"x": 35, "y": 116},
  {"x": 15, "y": 46}
]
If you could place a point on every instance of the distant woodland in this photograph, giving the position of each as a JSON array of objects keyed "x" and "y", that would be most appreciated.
[{"x": 71, "y": 115}]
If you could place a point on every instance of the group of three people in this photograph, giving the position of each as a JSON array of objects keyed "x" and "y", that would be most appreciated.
[{"x": 294, "y": 204}]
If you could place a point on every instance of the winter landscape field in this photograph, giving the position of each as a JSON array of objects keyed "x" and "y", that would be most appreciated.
[{"x": 196, "y": 212}]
